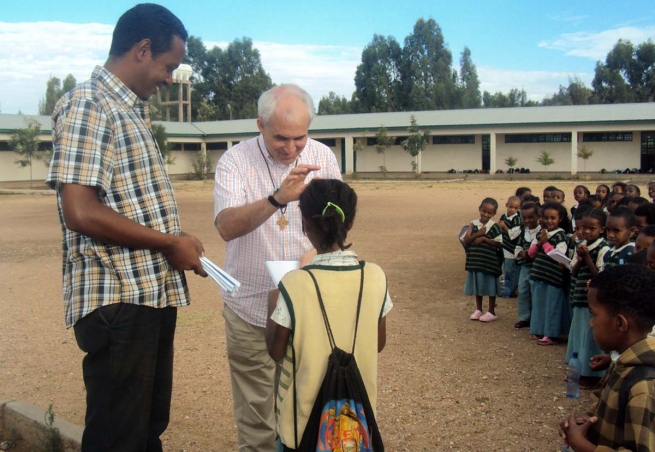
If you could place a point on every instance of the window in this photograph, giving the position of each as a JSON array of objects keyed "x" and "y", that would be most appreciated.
[
  {"x": 330, "y": 142},
  {"x": 607, "y": 136},
  {"x": 191, "y": 146},
  {"x": 538, "y": 138},
  {"x": 453, "y": 139},
  {"x": 4, "y": 146},
  {"x": 373, "y": 141},
  {"x": 647, "y": 151},
  {"x": 174, "y": 146},
  {"x": 220, "y": 146}
]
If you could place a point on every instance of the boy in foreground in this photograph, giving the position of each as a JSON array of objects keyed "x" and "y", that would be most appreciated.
[{"x": 623, "y": 313}]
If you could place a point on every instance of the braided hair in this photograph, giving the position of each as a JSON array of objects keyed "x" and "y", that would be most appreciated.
[{"x": 327, "y": 218}]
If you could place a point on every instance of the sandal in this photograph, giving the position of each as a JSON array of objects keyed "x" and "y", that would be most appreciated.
[
  {"x": 546, "y": 341},
  {"x": 534, "y": 337},
  {"x": 476, "y": 315},
  {"x": 488, "y": 317}
]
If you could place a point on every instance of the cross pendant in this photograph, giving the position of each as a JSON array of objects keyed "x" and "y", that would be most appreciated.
[{"x": 282, "y": 222}]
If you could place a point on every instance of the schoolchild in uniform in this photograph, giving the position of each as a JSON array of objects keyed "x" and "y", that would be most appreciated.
[
  {"x": 620, "y": 226},
  {"x": 632, "y": 190},
  {"x": 651, "y": 190},
  {"x": 485, "y": 240},
  {"x": 550, "y": 311},
  {"x": 580, "y": 192},
  {"x": 510, "y": 223},
  {"x": 603, "y": 191},
  {"x": 645, "y": 215},
  {"x": 585, "y": 265},
  {"x": 530, "y": 230},
  {"x": 296, "y": 319}
]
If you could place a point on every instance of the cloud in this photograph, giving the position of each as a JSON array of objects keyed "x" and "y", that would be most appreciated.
[
  {"x": 318, "y": 69},
  {"x": 32, "y": 52},
  {"x": 595, "y": 46},
  {"x": 537, "y": 84}
]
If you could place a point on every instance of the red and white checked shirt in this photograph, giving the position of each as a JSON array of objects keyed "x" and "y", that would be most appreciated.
[
  {"x": 242, "y": 178},
  {"x": 102, "y": 138}
]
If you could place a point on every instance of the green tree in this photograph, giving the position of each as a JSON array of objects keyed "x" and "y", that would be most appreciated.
[
  {"x": 382, "y": 142},
  {"x": 415, "y": 142},
  {"x": 332, "y": 104},
  {"x": 54, "y": 90},
  {"x": 234, "y": 76},
  {"x": 511, "y": 162},
  {"x": 576, "y": 93},
  {"x": 161, "y": 137},
  {"x": 25, "y": 143},
  {"x": 514, "y": 98},
  {"x": 585, "y": 154},
  {"x": 545, "y": 159},
  {"x": 469, "y": 83},
  {"x": 428, "y": 81},
  {"x": 628, "y": 74},
  {"x": 378, "y": 78}
]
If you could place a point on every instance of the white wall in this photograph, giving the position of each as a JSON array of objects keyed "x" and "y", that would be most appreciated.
[
  {"x": 397, "y": 160},
  {"x": 612, "y": 155},
  {"x": 9, "y": 171},
  {"x": 526, "y": 153},
  {"x": 461, "y": 157}
]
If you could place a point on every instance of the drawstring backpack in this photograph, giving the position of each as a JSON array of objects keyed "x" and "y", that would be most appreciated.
[{"x": 342, "y": 418}]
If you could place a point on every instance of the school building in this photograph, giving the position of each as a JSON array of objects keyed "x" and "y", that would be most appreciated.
[{"x": 621, "y": 136}]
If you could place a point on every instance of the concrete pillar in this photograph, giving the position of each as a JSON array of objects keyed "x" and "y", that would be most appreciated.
[
  {"x": 349, "y": 153},
  {"x": 574, "y": 153},
  {"x": 419, "y": 163},
  {"x": 492, "y": 153}
]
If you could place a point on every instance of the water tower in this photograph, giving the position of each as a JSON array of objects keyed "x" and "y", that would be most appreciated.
[{"x": 181, "y": 78}]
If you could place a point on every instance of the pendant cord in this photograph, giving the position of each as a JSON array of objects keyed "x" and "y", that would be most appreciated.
[{"x": 282, "y": 209}]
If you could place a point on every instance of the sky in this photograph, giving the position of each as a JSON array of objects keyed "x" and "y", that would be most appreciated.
[{"x": 532, "y": 45}]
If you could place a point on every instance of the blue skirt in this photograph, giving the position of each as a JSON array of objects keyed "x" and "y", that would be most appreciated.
[
  {"x": 551, "y": 312},
  {"x": 482, "y": 284},
  {"x": 581, "y": 340}
]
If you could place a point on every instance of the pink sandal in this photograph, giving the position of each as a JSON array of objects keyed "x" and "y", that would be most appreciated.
[{"x": 546, "y": 341}]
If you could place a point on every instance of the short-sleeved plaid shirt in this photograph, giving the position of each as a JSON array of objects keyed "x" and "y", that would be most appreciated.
[
  {"x": 242, "y": 178},
  {"x": 638, "y": 430},
  {"x": 102, "y": 138}
]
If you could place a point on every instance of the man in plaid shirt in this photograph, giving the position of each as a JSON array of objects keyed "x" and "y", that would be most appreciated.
[
  {"x": 623, "y": 313},
  {"x": 124, "y": 254}
]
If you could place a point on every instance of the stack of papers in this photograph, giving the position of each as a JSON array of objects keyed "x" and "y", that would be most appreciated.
[
  {"x": 216, "y": 273},
  {"x": 558, "y": 256}
]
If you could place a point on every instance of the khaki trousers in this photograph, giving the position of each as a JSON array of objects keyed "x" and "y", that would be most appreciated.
[{"x": 252, "y": 372}]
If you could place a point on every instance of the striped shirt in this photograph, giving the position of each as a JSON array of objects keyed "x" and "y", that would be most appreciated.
[
  {"x": 597, "y": 252},
  {"x": 102, "y": 138},
  {"x": 242, "y": 177},
  {"x": 544, "y": 268},
  {"x": 510, "y": 238},
  {"x": 483, "y": 257}
]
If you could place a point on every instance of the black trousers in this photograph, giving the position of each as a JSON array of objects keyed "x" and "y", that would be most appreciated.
[{"x": 128, "y": 374}]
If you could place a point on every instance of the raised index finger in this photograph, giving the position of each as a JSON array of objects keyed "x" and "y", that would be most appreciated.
[{"x": 305, "y": 168}]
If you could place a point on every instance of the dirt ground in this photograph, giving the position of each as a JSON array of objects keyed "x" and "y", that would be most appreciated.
[{"x": 445, "y": 382}]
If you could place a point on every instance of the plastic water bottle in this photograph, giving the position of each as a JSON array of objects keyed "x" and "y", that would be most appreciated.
[{"x": 573, "y": 378}]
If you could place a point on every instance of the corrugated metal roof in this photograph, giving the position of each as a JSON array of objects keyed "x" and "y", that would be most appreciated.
[{"x": 481, "y": 117}]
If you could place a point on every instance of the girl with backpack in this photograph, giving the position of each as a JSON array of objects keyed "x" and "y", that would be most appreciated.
[{"x": 329, "y": 315}]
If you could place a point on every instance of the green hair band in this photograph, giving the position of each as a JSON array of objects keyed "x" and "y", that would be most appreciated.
[{"x": 337, "y": 208}]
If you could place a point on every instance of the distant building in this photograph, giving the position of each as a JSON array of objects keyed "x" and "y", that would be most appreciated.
[{"x": 621, "y": 136}]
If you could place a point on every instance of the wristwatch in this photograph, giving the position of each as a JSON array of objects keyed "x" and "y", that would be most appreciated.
[{"x": 276, "y": 204}]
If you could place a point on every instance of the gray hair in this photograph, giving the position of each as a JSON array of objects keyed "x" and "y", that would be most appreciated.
[{"x": 268, "y": 101}]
